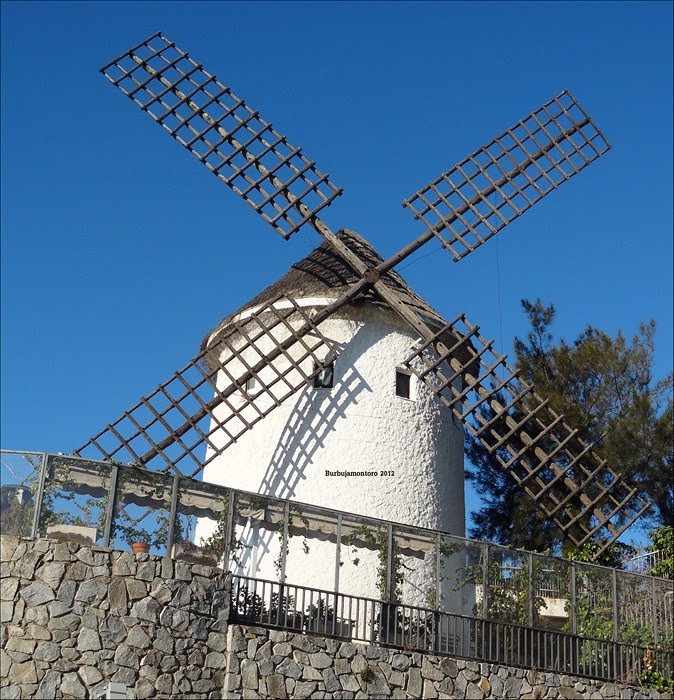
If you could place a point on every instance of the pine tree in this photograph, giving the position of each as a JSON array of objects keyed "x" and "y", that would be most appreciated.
[{"x": 605, "y": 387}]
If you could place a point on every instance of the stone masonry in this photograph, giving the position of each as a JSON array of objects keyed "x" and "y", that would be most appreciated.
[
  {"x": 76, "y": 617},
  {"x": 264, "y": 663}
]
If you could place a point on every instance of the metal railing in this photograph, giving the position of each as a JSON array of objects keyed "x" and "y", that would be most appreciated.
[
  {"x": 643, "y": 563},
  {"x": 411, "y": 628},
  {"x": 510, "y": 592}
]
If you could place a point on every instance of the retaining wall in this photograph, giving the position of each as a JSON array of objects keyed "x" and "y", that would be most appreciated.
[
  {"x": 265, "y": 663},
  {"x": 76, "y": 617}
]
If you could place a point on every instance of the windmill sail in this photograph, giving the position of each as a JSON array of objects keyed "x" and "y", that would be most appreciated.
[
  {"x": 483, "y": 193},
  {"x": 561, "y": 473},
  {"x": 243, "y": 374},
  {"x": 223, "y": 132}
]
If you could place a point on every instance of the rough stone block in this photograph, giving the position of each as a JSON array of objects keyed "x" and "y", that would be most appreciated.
[
  {"x": 8, "y": 588},
  {"x": 144, "y": 689},
  {"x": 90, "y": 675},
  {"x": 215, "y": 660},
  {"x": 49, "y": 685},
  {"x": 429, "y": 690},
  {"x": 146, "y": 609},
  {"x": 249, "y": 674},
  {"x": 311, "y": 674},
  {"x": 72, "y": 685},
  {"x": 47, "y": 651},
  {"x": 349, "y": 683},
  {"x": 304, "y": 644},
  {"x": 332, "y": 684},
  {"x": 304, "y": 689},
  {"x": 318, "y": 660},
  {"x": 125, "y": 656},
  {"x": 37, "y": 593},
  {"x": 429, "y": 671},
  {"x": 276, "y": 687},
  {"x": 93, "y": 591},
  {"x": 414, "y": 683},
  {"x": 88, "y": 640}
]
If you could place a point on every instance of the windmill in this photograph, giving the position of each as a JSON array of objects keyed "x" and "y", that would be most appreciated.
[{"x": 277, "y": 348}]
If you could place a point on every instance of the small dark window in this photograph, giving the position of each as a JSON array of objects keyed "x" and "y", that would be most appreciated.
[
  {"x": 251, "y": 385},
  {"x": 325, "y": 378},
  {"x": 402, "y": 384}
]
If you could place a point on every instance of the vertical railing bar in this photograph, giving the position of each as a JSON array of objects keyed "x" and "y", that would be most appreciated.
[
  {"x": 110, "y": 505},
  {"x": 614, "y": 591},
  {"x": 437, "y": 570},
  {"x": 338, "y": 551},
  {"x": 172, "y": 515},
  {"x": 39, "y": 496},
  {"x": 485, "y": 579},
  {"x": 616, "y": 628},
  {"x": 229, "y": 529},
  {"x": 338, "y": 555},
  {"x": 655, "y": 613},
  {"x": 574, "y": 610},
  {"x": 530, "y": 592},
  {"x": 389, "y": 563},
  {"x": 284, "y": 544},
  {"x": 282, "y": 568}
]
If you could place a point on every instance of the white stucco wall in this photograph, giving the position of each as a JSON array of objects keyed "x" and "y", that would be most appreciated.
[{"x": 358, "y": 425}]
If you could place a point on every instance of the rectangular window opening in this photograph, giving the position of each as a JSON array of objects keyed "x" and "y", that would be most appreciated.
[
  {"x": 403, "y": 384},
  {"x": 325, "y": 377}
]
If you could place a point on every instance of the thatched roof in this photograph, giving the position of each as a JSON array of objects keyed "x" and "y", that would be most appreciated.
[{"x": 324, "y": 273}]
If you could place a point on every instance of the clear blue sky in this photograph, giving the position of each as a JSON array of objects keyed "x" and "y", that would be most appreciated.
[{"x": 119, "y": 251}]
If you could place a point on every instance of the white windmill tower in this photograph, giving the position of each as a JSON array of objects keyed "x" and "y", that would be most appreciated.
[
  {"x": 246, "y": 410},
  {"x": 365, "y": 435}
]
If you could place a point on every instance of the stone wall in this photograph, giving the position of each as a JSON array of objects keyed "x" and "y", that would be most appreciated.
[
  {"x": 75, "y": 617},
  {"x": 264, "y": 663}
]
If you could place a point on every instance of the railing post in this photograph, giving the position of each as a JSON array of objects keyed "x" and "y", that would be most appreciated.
[
  {"x": 530, "y": 592},
  {"x": 436, "y": 617},
  {"x": 338, "y": 552},
  {"x": 284, "y": 543},
  {"x": 614, "y": 595},
  {"x": 485, "y": 580},
  {"x": 172, "y": 515},
  {"x": 389, "y": 563},
  {"x": 438, "y": 561},
  {"x": 110, "y": 506},
  {"x": 39, "y": 496},
  {"x": 280, "y": 611},
  {"x": 574, "y": 602},
  {"x": 338, "y": 562},
  {"x": 655, "y": 613},
  {"x": 616, "y": 628},
  {"x": 229, "y": 529}
]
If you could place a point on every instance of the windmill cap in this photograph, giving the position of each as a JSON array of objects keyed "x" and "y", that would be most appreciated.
[{"x": 324, "y": 275}]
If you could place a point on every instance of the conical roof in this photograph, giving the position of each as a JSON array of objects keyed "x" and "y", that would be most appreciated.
[{"x": 324, "y": 273}]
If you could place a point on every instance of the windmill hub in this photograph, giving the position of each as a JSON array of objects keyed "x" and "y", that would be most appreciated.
[{"x": 371, "y": 276}]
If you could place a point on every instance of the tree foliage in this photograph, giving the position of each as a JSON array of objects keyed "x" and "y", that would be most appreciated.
[{"x": 604, "y": 386}]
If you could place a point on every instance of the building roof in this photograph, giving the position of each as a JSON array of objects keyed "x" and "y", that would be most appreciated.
[{"x": 324, "y": 273}]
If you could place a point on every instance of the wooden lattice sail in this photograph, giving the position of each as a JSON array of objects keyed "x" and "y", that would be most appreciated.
[
  {"x": 562, "y": 474},
  {"x": 207, "y": 405}
]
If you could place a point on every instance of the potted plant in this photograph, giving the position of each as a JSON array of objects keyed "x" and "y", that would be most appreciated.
[{"x": 138, "y": 539}]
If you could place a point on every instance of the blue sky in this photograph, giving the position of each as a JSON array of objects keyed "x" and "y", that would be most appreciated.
[{"x": 119, "y": 251}]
